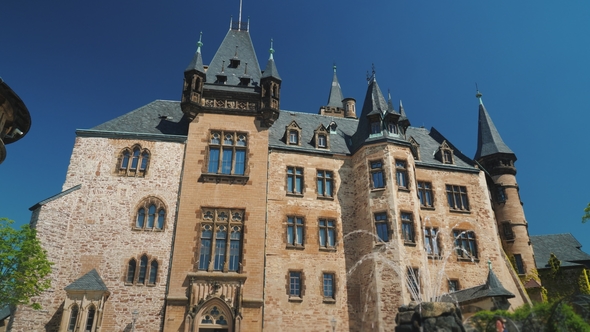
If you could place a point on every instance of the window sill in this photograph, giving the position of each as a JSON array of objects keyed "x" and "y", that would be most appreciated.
[
  {"x": 435, "y": 257},
  {"x": 409, "y": 244},
  {"x": 405, "y": 189},
  {"x": 224, "y": 178},
  {"x": 147, "y": 229},
  {"x": 129, "y": 284},
  {"x": 464, "y": 259},
  {"x": 296, "y": 247},
  {"x": 328, "y": 198},
  {"x": 295, "y": 299},
  {"x": 294, "y": 194},
  {"x": 328, "y": 249},
  {"x": 424, "y": 207},
  {"x": 329, "y": 300},
  {"x": 460, "y": 211},
  {"x": 377, "y": 189}
]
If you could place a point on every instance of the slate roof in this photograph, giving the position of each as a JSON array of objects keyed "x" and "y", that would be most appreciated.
[
  {"x": 226, "y": 51},
  {"x": 492, "y": 288},
  {"x": 162, "y": 117},
  {"x": 488, "y": 138},
  {"x": 4, "y": 313},
  {"x": 430, "y": 142},
  {"x": 91, "y": 281},
  {"x": 374, "y": 104},
  {"x": 564, "y": 246},
  {"x": 54, "y": 197},
  {"x": 335, "y": 98},
  {"x": 271, "y": 69},
  {"x": 197, "y": 62}
]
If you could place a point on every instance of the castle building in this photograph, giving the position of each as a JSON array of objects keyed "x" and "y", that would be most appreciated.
[{"x": 221, "y": 212}]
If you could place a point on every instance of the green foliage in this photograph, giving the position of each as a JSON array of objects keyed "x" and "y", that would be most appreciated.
[
  {"x": 586, "y": 215},
  {"x": 555, "y": 265},
  {"x": 583, "y": 282},
  {"x": 23, "y": 265}
]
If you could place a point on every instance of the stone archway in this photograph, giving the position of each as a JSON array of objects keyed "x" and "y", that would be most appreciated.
[{"x": 214, "y": 316}]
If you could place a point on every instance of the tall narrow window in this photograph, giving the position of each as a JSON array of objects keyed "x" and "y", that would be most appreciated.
[
  {"x": 161, "y": 218},
  {"x": 153, "y": 273},
  {"x": 140, "y": 218},
  {"x": 295, "y": 231},
  {"x": 465, "y": 244},
  {"x": 431, "y": 242},
  {"x": 227, "y": 153},
  {"x": 293, "y": 137},
  {"x": 407, "y": 227},
  {"x": 328, "y": 286},
  {"x": 295, "y": 284},
  {"x": 327, "y": 233},
  {"x": 392, "y": 127},
  {"x": 377, "y": 179},
  {"x": 507, "y": 230},
  {"x": 519, "y": 264},
  {"x": 413, "y": 282},
  {"x": 325, "y": 183},
  {"x": 90, "y": 318},
  {"x": 125, "y": 159},
  {"x": 73, "y": 318},
  {"x": 425, "y": 193},
  {"x": 220, "y": 250},
  {"x": 322, "y": 141},
  {"x": 500, "y": 194},
  {"x": 294, "y": 180},
  {"x": 401, "y": 174},
  {"x": 457, "y": 198},
  {"x": 131, "y": 271},
  {"x": 142, "y": 269},
  {"x": 382, "y": 226},
  {"x": 151, "y": 216}
]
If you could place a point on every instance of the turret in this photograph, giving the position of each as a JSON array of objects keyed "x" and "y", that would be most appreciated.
[
  {"x": 271, "y": 90},
  {"x": 497, "y": 160},
  {"x": 194, "y": 78},
  {"x": 337, "y": 105}
]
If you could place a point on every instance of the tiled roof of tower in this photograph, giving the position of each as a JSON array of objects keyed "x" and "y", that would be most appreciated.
[
  {"x": 488, "y": 138},
  {"x": 271, "y": 69},
  {"x": 162, "y": 117},
  {"x": 374, "y": 104},
  {"x": 564, "y": 246},
  {"x": 492, "y": 288},
  {"x": 237, "y": 44},
  {"x": 91, "y": 281},
  {"x": 335, "y": 98}
]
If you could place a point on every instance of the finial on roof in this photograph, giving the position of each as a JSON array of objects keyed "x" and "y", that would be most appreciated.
[
  {"x": 489, "y": 264},
  {"x": 199, "y": 43},
  {"x": 334, "y": 66},
  {"x": 240, "y": 17},
  {"x": 478, "y": 94},
  {"x": 373, "y": 70},
  {"x": 231, "y": 19},
  {"x": 272, "y": 50},
  {"x": 388, "y": 94},
  {"x": 223, "y": 66}
]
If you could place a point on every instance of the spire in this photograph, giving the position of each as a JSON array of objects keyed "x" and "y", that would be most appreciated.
[
  {"x": 335, "y": 98},
  {"x": 373, "y": 110},
  {"x": 389, "y": 102},
  {"x": 403, "y": 119},
  {"x": 494, "y": 286},
  {"x": 197, "y": 62},
  {"x": 489, "y": 141},
  {"x": 271, "y": 68}
]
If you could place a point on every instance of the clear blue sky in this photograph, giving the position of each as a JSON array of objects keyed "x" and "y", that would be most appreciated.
[{"x": 77, "y": 64}]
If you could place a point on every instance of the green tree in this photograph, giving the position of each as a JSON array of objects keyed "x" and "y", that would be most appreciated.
[
  {"x": 23, "y": 265},
  {"x": 586, "y": 215}
]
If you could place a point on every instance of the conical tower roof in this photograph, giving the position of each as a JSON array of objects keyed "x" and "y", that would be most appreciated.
[
  {"x": 335, "y": 98},
  {"x": 197, "y": 61},
  {"x": 373, "y": 106},
  {"x": 489, "y": 141},
  {"x": 271, "y": 68}
]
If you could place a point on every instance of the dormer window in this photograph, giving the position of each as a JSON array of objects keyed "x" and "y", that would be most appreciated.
[
  {"x": 415, "y": 148},
  {"x": 245, "y": 80},
  {"x": 234, "y": 63},
  {"x": 445, "y": 153},
  {"x": 392, "y": 128},
  {"x": 292, "y": 134},
  {"x": 375, "y": 127},
  {"x": 447, "y": 157},
  {"x": 321, "y": 138},
  {"x": 221, "y": 79},
  {"x": 321, "y": 141}
]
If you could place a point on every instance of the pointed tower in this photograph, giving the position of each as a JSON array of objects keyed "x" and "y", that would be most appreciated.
[
  {"x": 404, "y": 122},
  {"x": 194, "y": 78},
  {"x": 271, "y": 90},
  {"x": 337, "y": 105},
  {"x": 497, "y": 159}
]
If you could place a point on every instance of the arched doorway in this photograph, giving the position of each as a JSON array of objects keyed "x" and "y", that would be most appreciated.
[{"x": 214, "y": 316}]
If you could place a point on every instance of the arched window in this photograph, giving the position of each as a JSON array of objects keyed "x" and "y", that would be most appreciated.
[
  {"x": 73, "y": 318},
  {"x": 134, "y": 161},
  {"x": 90, "y": 318},
  {"x": 131, "y": 271},
  {"x": 152, "y": 209},
  {"x": 142, "y": 269},
  {"x": 153, "y": 273}
]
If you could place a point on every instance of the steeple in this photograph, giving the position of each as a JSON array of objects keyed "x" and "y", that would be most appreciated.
[
  {"x": 489, "y": 141},
  {"x": 197, "y": 62},
  {"x": 270, "y": 83},
  {"x": 403, "y": 119},
  {"x": 194, "y": 80},
  {"x": 335, "y": 98},
  {"x": 271, "y": 68}
]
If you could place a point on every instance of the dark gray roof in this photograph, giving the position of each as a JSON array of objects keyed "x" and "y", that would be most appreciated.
[
  {"x": 335, "y": 98},
  {"x": 492, "y": 288},
  {"x": 402, "y": 112},
  {"x": 430, "y": 142},
  {"x": 161, "y": 117},
  {"x": 374, "y": 104},
  {"x": 237, "y": 44},
  {"x": 91, "y": 281},
  {"x": 197, "y": 62},
  {"x": 488, "y": 138},
  {"x": 271, "y": 69},
  {"x": 564, "y": 246},
  {"x": 54, "y": 197},
  {"x": 308, "y": 123}
]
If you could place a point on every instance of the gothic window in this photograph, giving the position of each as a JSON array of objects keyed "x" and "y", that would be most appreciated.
[
  {"x": 90, "y": 318},
  {"x": 294, "y": 180},
  {"x": 131, "y": 266},
  {"x": 425, "y": 194},
  {"x": 133, "y": 161},
  {"x": 153, "y": 273},
  {"x": 293, "y": 134},
  {"x": 519, "y": 264},
  {"x": 465, "y": 244},
  {"x": 151, "y": 215},
  {"x": 295, "y": 231},
  {"x": 143, "y": 262},
  {"x": 227, "y": 153},
  {"x": 401, "y": 173},
  {"x": 147, "y": 271},
  {"x": 73, "y": 318},
  {"x": 457, "y": 198},
  {"x": 221, "y": 240},
  {"x": 328, "y": 286},
  {"x": 327, "y": 233},
  {"x": 325, "y": 183},
  {"x": 382, "y": 226},
  {"x": 407, "y": 227},
  {"x": 507, "y": 230},
  {"x": 377, "y": 178},
  {"x": 214, "y": 316},
  {"x": 295, "y": 289},
  {"x": 431, "y": 242}
]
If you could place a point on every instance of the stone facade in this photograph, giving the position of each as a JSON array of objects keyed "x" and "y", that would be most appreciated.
[{"x": 274, "y": 220}]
